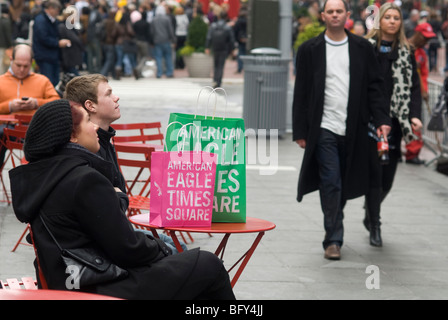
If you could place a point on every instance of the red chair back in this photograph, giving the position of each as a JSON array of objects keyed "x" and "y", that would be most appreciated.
[
  {"x": 14, "y": 139},
  {"x": 23, "y": 119},
  {"x": 138, "y": 132},
  {"x": 135, "y": 165}
]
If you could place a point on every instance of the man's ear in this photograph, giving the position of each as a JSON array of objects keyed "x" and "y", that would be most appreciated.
[
  {"x": 73, "y": 139},
  {"x": 90, "y": 106}
]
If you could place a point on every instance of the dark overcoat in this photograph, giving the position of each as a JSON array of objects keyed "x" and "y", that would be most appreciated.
[
  {"x": 46, "y": 39},
  {"x": 366, "y": 100},
  {"x": 73, "y": 192}
]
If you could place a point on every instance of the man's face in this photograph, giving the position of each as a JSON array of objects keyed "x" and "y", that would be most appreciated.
[
  {"x": 21, "y": 65},
  {"x": 107, "y": 108},
  {"x": 53, "y": 11},
  {"x": 335, "y": 14}
]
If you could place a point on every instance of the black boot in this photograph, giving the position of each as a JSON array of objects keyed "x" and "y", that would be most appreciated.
[
  {"x": 373, "y": 206},
  {"x": 366, "y": 221},
  {"x": 375, "y": 236}
]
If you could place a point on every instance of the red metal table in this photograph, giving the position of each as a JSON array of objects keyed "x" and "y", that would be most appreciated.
[
  {"x": 9, "y": 118},
  {"x": 252, "y": 225}
]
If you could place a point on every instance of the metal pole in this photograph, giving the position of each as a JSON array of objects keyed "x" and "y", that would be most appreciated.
[{"x": 285, "y": 30}]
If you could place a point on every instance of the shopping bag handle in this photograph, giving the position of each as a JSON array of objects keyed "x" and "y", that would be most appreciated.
[
  {"x": 214, "y": 109},
  {"x": 183, "y": 127},
  {"x": 166, "y": 131},
  {"x": 199, "y": 95},
  {"x": 213, "y": 90}
]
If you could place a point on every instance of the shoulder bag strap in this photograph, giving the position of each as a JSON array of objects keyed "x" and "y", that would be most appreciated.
[{"x": 52, "y": 236}]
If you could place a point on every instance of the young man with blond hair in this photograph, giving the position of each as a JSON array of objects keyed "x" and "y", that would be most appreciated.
[{"x": 94, "y": 93}]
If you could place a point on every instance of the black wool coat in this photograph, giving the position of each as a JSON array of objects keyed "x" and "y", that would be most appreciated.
[
  {"x": 366, "y": 101},
  {"x": 73, "y": 191}
]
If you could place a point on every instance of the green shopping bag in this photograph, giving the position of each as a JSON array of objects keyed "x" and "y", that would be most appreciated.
[{"x": 226, "y": 138}]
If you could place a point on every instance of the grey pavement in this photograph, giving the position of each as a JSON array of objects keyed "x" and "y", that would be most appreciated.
[{"x": 288, "y": 263}]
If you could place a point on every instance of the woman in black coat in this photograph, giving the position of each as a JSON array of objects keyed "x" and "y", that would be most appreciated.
[
  {"x": 71, "y": 189},
  {"x": 71, "y": 56},
  {"x": 403, "y": 94}
]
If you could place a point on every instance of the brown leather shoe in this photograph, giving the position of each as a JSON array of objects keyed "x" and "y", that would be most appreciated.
[{"x": 333, "y": 252}]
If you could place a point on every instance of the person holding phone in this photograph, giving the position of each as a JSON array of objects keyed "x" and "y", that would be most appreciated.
[{"x": 23, "y": 91}]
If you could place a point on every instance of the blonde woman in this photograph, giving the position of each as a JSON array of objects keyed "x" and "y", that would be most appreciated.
[{"x": 402, "y": 93}]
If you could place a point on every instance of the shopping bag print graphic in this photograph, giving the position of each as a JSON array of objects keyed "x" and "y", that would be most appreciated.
[{"x": 182, "y": 188}]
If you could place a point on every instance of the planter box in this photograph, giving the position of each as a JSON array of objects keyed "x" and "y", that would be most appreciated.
[{"x": 199, "y": 65}]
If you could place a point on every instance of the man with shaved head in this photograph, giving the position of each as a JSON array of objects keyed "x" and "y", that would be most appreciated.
[{"x": 23, "y": 91}]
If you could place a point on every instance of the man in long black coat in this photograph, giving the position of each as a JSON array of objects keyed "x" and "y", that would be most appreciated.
[{"x": 334, "y": 99}]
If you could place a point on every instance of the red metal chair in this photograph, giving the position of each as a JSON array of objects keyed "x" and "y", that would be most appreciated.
[
  {"x": 42, "y": 282},
  {"x": 132, "y": 134},
  {"x": 14, "y": 139},
  {"x": 13, "y": 142},
  {"x": 138, "y": 132},
  {"x": 27, "y": 283},
  {"x": 136, "y": 158},
  {"x": 23, "y": 119},
  {"x": 21, "y": 239}
]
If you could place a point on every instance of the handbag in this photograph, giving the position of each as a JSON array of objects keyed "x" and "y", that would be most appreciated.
[{"x": 88, "y": 266}]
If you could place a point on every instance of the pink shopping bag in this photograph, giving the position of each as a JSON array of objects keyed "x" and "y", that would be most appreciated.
[{"x": 182, "y": 188}]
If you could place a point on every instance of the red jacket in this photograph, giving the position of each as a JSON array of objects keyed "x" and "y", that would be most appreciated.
[{"x": 422, "y": 66}]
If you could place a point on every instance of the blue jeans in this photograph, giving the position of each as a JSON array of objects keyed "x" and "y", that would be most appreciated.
[
  {"x": 330, "y": 154},
  {"x": 119, "y": 56},
  {"x": 94, "y": 56},
  {"x": 163, "y": 51},
  {"x": 241, "y": 52},
  {"x": 129, "y": 62},
  {"x": 50, "y": 70},
  {"x": 109, "y": 60}
]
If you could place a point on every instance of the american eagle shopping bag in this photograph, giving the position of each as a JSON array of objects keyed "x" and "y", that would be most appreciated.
[
  {"x": 226, "y": 138},
  {"x": 182, "y": 188}
]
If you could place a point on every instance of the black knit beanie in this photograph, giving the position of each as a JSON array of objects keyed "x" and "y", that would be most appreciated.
[{"x": 49, "y": 129}]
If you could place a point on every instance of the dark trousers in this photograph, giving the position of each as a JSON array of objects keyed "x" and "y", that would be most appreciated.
[
  {"x": 382, "y": 176},
  {"x": 219, "y": 60},
  {"x": 109, "y": 60},
  {"x": 330, "y": 154},
  {"x": 50, "y": 70},
  {"x": 208, "y": 280}
]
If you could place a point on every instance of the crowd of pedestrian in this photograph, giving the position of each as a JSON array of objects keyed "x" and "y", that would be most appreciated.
[{"x": 113, "y": 38}]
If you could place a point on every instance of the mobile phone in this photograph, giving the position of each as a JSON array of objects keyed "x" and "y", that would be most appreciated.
[{"x": 25, "y": 98}]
